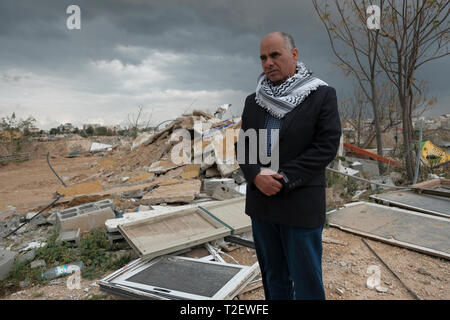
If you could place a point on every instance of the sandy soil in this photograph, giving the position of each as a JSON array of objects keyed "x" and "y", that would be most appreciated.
[{"x": 33, "y": 181}]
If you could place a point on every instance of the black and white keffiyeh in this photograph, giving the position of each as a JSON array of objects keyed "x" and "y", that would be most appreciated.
[{"x": 281, "y": 99}]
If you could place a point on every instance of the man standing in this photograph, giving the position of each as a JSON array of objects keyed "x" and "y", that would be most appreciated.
[{"x": 287, "y": 207}]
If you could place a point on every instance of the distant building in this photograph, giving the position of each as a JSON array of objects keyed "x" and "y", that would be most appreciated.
[
  {"x": 114, "y": 129},
  {"x": 66, "y": 128}
]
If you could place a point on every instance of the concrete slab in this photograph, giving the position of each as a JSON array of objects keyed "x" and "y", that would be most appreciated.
[
  {"x": 209, "y": 185},
  {"x": 6, "y": 262},
  {"x": 405, "y": 228},
  {"x": 182, "y": 192}
]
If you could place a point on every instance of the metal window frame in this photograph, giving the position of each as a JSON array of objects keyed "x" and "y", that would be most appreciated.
[{"x": 117, "y": 281}]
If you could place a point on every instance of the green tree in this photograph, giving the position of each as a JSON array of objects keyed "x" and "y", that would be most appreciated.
[
  {"x": 101, "y": 131},
  {"x": 90, "y": 131}
]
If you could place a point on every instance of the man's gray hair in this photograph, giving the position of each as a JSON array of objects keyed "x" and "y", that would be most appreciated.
[{"x": 288, "y": 40}]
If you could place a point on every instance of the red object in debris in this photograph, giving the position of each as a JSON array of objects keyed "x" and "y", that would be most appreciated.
[{"x": 372, "y": 155}]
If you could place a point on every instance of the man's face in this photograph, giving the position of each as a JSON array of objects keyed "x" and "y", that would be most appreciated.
[{"x": 278, "y": 62}]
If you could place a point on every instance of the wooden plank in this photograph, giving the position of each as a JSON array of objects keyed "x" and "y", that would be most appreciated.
[
  {"x": 168, "y": 233},
  {"x": 430, "y": 184},
  {"x": 408, "y": 229},
  {"x": 438, "y": 187},
  {"x": 372, "y": 155}
]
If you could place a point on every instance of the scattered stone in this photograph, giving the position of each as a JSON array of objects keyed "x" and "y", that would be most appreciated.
[
  {"x": 38, "y": 264},
  {"x": 340, "y": 291},
  {"x": 342, "y": 263},
  {"x": 55, "y": 282},
  {"x": 27, "y": 256},
  {"x": 24, "y": 283},
  {"x": 426, "y": 273},
  {"x": 355, "y": 271},
  {"x": 381, "y": 289},
  {"x": 353, "y": 252}
]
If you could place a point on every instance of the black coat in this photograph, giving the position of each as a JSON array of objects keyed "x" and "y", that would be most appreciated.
[{"x": 308, "y": 142}]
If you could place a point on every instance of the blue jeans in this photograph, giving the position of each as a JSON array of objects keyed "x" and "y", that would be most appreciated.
[{"x": 290, "y": 259}]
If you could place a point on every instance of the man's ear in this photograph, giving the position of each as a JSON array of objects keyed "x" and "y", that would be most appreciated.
[{"x": 295, "y": 53}]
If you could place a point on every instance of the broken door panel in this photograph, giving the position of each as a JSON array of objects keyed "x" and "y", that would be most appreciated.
[
  {"x": 165, "y": 234},
  {"x": 405, "y": 228},
  {"x": 231, "y": 212},
  {"x": 435, "y": 205}
]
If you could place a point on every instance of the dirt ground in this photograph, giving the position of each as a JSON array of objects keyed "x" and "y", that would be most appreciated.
[
  {"x": 345, "y": 267},
  {"x": 33, "y": 181}
]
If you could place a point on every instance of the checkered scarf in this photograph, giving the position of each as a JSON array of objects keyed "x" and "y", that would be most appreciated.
[{"x": 281, "y": 99}]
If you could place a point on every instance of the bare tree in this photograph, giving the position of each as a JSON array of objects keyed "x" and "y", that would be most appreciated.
[
  {"x": 356, "y": 48},
  {"x": 135, "y": 123},
  {"x": 414, "y": 33},
  {"x": 354, "y": 111}
]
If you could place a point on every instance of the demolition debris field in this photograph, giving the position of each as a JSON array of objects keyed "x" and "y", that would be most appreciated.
[
  {"x": 117, "y": 182},
  {"x": 344, "y": 265}
]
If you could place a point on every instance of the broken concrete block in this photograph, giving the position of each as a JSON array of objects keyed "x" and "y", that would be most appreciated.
[
  {"x": 182, "y": 192},
  {"x": 224, "y": 153},
  {"x": 225, "y": 193},
  {"x": 162, "y": 166},
  {"x": 6, "y": 262},
  {"x": 144, "y": 208},
  {"x": 71, "y": 236},
  {"x": 242, "y": 189},
  {"x": 209, "y": 185},
  {"x": 141, "y": 139},
  {"x": 85, "y": 217},
  {"x": 35, "y": 219},
  {"x": 52, "y": 218},
  {"x": 383, "y": 180},
  {"x": 113, "y": 237},
  {"x": 38, "y": 264},
  {"x": 212, "y": 172},
  {"x": 238, "y": 176}
]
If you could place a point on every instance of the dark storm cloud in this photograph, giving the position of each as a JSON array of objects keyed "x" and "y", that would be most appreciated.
[{"x": 190, "y": 45}]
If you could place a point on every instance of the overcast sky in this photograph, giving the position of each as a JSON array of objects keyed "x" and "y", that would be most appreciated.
[{"x": 167, "y": 56}]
